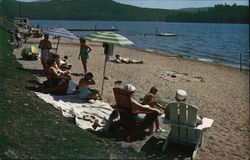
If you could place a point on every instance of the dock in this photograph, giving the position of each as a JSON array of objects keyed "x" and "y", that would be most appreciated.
[{"x": 95, "y": 29}]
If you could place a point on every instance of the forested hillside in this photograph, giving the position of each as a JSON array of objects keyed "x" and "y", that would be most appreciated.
[{"x": 110, "y": 10}]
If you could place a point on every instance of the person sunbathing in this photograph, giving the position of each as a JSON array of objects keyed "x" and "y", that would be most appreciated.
[
  {"x": 150, "y": 99},
  {"x": 57, "y": 80},
  {"x": 119, "y": 59},
  {"x": 85, "y": 92},
  {"x": 64, "y": 64},
  {"x": 55, "y": 74},
  {"x": 61, "y": 64}
]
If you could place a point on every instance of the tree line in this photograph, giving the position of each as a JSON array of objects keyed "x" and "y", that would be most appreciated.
[{"x": 110, "y": 10}]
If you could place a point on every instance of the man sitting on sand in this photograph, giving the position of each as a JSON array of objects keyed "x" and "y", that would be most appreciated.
[
  {"x": 180, "y": 97},
  {"x": 85, "y": 92},
  {"x": 125, "y": 60},
  {"x": 150, "y": 99}
]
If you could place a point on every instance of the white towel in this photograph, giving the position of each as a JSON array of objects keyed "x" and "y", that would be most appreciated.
[{"x": 85, "y": 113}]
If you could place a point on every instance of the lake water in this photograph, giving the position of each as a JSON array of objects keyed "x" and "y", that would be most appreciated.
[{"x": 220, "y": 43}]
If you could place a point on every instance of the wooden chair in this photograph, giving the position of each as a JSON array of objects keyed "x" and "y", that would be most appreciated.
[
  {"x": 184, "y": 129},
  {"x": 128, "y": 115}
]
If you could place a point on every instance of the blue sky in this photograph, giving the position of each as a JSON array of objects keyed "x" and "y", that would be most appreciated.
[{"x": 176, "y": 4}]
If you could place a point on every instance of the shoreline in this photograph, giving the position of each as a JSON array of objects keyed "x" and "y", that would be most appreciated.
[
  {"x": 163, "y": 54},
  {"x": 223, "y": 95},
  {"x": 188, "y": 58}
]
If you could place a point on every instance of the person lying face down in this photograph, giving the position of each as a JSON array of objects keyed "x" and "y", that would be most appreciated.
[{"x": 85, "y": 92}]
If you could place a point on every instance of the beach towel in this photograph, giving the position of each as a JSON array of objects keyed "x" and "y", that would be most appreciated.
[{"x": 85, "y": 114}]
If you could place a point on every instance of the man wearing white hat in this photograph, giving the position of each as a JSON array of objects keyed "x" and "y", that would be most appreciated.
[
  {"x": 135, "y": 105},
  {"x": 181, "y": 96},
  {"x": 144, "y": 119}
]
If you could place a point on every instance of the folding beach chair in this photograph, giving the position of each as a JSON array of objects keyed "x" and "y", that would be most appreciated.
[
  {"x": 184, "y": 129},
  {"x": 128, "y": 115}
]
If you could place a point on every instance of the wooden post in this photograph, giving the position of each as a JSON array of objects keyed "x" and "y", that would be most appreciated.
[
  {"x": 240, "y": 61},
  {"x": 57, "y": 44},
  {"x": 104, "y": 70}
]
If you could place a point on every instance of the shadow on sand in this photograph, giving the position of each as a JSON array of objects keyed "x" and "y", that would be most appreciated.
[
  {"x": 150, "y": 146},
  {"x": 37, "y": 72}
]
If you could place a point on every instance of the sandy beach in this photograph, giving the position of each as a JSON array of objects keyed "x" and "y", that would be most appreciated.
[{"x": 222, "y": 94}]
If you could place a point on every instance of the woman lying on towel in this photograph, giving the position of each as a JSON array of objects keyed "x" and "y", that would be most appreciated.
[
  {"x": 119, "y": 59},
  {"x": 58, "y": 80},
  {"x": 85, "y": 92}
]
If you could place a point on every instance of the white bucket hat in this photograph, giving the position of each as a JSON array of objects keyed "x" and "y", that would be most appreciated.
[
  {"x": 129, "y": 87},
  {"x": 181, "y": 94}
]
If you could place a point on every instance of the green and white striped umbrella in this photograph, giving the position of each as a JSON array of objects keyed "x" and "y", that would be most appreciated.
[{"x": 108, "y": 37}]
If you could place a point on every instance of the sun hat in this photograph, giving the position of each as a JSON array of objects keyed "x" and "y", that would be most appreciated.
[
  {"x": 181, "y": 94},
  {"x": 129, "y": 87}
]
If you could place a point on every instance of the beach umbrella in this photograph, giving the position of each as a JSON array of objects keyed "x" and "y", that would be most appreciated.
[
  {"x": 60, "y": 32},
  {"x": 32, "y": 49},
  {"x": 30, "y": 52},
  {"x": 109, "y": 38}
]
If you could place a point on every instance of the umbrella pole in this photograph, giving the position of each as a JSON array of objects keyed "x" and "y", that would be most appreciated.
[
  {"x": 106, "y": 57},
  {"x": 57, "y": 44}
]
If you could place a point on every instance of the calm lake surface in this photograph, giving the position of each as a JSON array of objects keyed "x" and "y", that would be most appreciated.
[{"x": 220, "y": 43}]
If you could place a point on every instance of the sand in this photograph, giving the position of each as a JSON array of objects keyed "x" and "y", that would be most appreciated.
[{"x": 223, "y": 93}]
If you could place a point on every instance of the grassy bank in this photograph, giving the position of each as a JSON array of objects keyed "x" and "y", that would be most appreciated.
[{"x": 31, "y": 128}]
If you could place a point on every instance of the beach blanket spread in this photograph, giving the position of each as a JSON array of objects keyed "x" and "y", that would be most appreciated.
[{"x": 85, "y": 114}]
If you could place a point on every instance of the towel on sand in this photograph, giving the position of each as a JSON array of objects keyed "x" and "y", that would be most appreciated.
[{"x": 85, "y": 113}]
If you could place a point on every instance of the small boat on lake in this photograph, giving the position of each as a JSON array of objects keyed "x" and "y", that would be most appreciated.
[{"x": 165, "y": 34}]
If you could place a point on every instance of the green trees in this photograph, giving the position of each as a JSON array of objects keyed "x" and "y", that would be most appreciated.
[{"x": 110, "y": 10}]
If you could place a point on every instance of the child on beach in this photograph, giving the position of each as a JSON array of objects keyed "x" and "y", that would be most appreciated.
[
  {"x": 45, "y": 46},
  {"x": 64, "y": 63},
  {"x": 150, "y": 99},
  {"x": 18, "y": 37},
  {"x": 84, "y": 53},
  {"x": 85, "y": 92}
]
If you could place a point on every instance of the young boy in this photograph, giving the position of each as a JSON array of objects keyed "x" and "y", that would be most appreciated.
[{"x": 150, "y": 99}]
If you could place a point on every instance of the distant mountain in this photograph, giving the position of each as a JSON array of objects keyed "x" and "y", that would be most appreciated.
[{"x": 111, "y": 10}]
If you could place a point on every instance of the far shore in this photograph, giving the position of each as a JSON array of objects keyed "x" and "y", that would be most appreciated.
[{"x": 221, "y": 94}]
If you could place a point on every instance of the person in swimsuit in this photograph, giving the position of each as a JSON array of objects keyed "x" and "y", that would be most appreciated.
[
  {"x": 150, "y": 99},
  {"x": 84, "y": 53},
  {"x": 45, "y": 46}
]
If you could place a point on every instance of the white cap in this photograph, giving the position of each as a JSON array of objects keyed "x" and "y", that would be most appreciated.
[
  {"x": 181, "y": 94},
  {"x": 129, "y": 87}
]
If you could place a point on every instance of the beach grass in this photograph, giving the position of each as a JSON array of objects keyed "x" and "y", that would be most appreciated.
[{"x": 33, "y": 129}]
